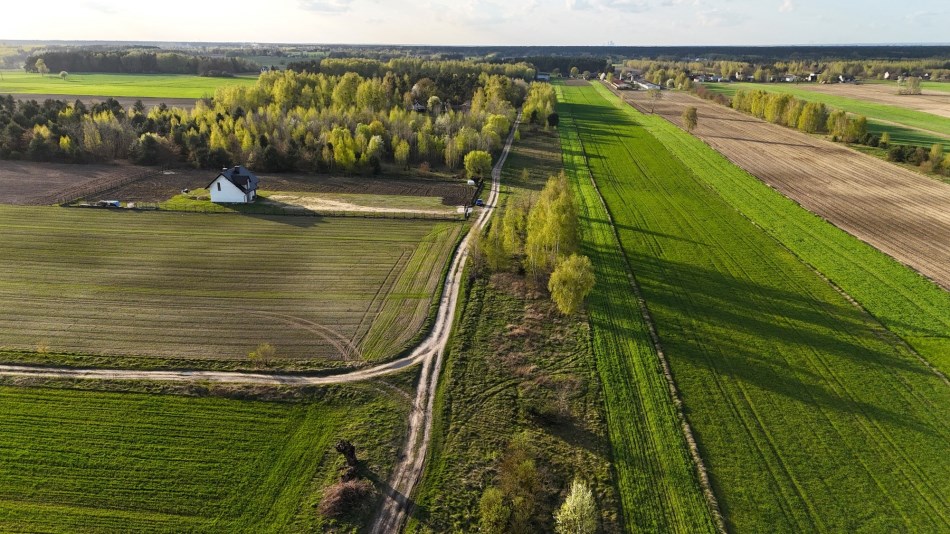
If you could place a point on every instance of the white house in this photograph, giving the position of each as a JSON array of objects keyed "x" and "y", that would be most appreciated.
[{"x": 235, "y": 185}]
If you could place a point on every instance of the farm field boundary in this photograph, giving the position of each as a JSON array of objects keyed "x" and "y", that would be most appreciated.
[
  {"x": 207, "y": 289},
  {"x": 897, "y": 211},
  {"x": 784, "y": 381},
  {"x": 93, "y": 460}
]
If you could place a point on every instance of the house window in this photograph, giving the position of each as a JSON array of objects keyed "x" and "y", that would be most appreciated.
[{"x": 219, "y": 186}]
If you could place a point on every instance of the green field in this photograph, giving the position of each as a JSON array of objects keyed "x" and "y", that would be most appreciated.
[
  {"x": 810, "y": 414},
  {"x": 656, "y": 478},
  {"x": 208, "y": 288},
  {"x": 118, "y": 85},
  {"x": 907, "y": 117},
  {"x": 88, "y": 461},
  {"x": 516, "y": 372}
]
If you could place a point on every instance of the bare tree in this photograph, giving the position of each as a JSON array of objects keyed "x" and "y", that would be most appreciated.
[{"x": 655, "y": 96}]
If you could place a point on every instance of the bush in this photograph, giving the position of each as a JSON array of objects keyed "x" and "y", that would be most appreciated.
[
  {"x": 346, "y": 498},
  {"x": 895, "y": 153}
]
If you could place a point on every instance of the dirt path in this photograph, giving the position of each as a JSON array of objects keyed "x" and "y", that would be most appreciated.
[
  {"x": 397, "y": 504},
  {"x": 901, "y": 213},
  {"x": 412, "y": 459}
]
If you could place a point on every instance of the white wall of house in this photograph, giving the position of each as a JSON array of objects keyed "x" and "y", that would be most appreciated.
[{"x": 223, "y": 191}]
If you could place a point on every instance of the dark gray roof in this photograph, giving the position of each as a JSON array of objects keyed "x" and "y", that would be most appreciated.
[{"x": 244, "y": 179}]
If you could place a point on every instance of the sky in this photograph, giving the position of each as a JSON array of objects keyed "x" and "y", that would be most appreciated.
[{"x": 484, "y": 22}]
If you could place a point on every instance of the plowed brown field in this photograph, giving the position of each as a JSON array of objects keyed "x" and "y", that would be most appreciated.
[
  {"x": 935, "y": 102},
  {"x": 901, "y": 213}
]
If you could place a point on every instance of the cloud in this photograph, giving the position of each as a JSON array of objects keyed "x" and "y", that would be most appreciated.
[
  {"x": 716, "y": 18},
  {"x": 626, "y": 6},
  {"x": 326, "y": 6},
  {"x": 100, "y": 7},
  {"x": 787, "y": 6}
]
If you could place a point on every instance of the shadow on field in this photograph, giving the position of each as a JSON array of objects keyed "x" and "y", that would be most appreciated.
[{"x": 791, "y": 344}]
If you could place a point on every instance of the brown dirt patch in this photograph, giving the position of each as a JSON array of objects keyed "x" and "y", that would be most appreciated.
[
  {"x": 38, "y": 184},
  {"x": 900, "y": 212},
  {"x": 127, "y": 102},
  {"x": 571, "y": 81},
  {"x": 933, "y": 102}
]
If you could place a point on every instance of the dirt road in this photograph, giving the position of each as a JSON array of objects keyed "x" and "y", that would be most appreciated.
[
  {"x": 901, "y": 213},
  {"x": 409, "y": 468}
]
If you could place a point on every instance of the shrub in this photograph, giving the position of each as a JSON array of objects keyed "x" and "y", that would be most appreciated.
[
  {"x": 895, "y": 153},
  {"x": 346, "y": 498}
]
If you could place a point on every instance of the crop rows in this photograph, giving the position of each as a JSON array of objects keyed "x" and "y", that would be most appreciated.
[
  {"x": 810, "y": 415},
  {"x": 655, "y": 477},
  {"x": 88, "y": 461},
  {"x": 205, "y": 286}
]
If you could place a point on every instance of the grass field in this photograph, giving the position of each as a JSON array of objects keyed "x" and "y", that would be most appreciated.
[
  {"x": 519, "y": 372},
  {"x": 88, "y": 461},
  {"x": 881, "y": 112},
  {"x": 656, "y": 479},
  {"x": 170, "y": 287},
  {"x": 810, "y": 414},
  {"x": 118, "y": 85}
]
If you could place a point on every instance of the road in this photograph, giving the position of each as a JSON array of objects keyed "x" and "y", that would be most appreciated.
[{"x": 428, "y": 353}]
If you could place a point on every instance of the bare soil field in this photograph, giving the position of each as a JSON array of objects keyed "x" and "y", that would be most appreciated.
[
  {"x": 38, "y": 184},
  {"x": 184, "y": 103},
  {"x": 934, "y": 102},
  {"x": 901, "y": 213},
  {"x": 161, "y": 187}
]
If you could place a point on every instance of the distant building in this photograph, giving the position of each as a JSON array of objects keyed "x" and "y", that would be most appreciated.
[
  {"x": 648, "y": 85},
  {"x": 235, "y": 185},
  {"x": 543, "y": 76}
]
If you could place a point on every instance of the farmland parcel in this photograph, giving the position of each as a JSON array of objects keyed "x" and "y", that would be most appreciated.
[
  {"x": 900, "y": 212},
  {"x": 207, "y": 287},
  {"x": 808, "y": 412},
  {"x": 92, "y": 461}
]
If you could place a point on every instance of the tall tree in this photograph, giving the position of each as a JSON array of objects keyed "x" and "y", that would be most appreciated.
[{"x": 690, "y": 118}]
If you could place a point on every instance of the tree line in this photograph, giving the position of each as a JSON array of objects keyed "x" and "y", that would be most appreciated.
[
  {"x": 136, "y": 62},
  {"x": 287, "y": 121}
]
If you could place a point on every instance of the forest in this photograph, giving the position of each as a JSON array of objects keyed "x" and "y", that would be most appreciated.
[{"x": 287, "y": 121}]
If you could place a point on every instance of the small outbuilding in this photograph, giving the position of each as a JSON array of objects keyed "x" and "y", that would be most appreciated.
[{"x": 234, "y": 185}]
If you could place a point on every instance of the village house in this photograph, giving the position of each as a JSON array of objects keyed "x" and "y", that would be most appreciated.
[{"x": 234, "y": 185}]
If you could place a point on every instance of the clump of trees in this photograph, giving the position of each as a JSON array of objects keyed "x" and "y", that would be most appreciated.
[
  {"x": 539, "y": 104},
  {"x": 513, "y": 504},
  {"x": 540, "y": 237},
  {"x": 135, "y": 61}
]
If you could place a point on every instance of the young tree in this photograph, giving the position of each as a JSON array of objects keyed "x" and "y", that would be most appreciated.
[
  {"x": 910, "y": 86},
  {"x": 574, "y": 72},
  {"x": 885, "y": 140},
  {"x": 401, "y": 153},
  {"x": 578, "y": 514},
  {"x": 263, "y": 354},
  {"x": 63, "y": 74},
  {"x": 494, "y": 512},
  {"x": 655, "y": 96},
  {"x": 41, "y": 67},
  {"x": 571, "y": 282},
  {"x": 936, "y": 154},
  {"x": 690, "y": 118},
  {"x": 478, "y": 163}
]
